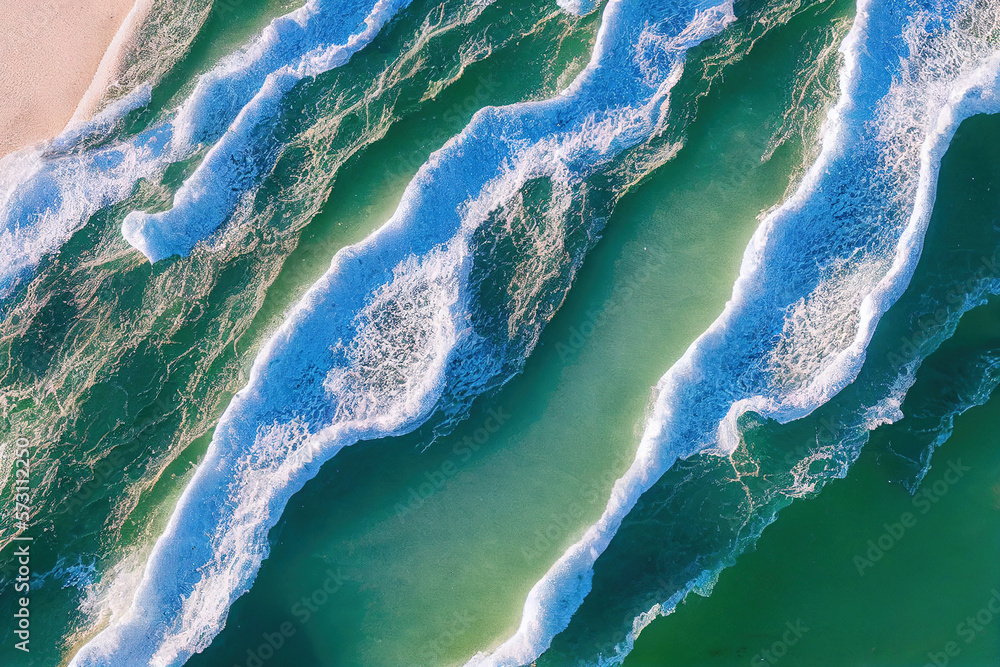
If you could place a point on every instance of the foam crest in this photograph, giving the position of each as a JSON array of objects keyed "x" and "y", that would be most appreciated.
[
  {"x": 374, "y": 345},
  {"x": 101, "y": 126},
  {"x": 578, "y": 7},
  {"x": 150, "y": 41},
  {"x": 45, "y": 198},
  {"x": 404, "y": 338},
  {"x": 283, "y": 56},
  {"x": 818, "y": 274},
  {"x": 48, "y": 193}
]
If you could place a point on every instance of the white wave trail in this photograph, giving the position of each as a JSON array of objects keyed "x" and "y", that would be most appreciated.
[
  {"x": 578, "y": 7},
  {"x": 113, "y": 71},
  {"x": 372, "y": 346},
  {"x": 233, "y": 164},
  {"x": 818, "y": 274},
  {"x": 46, "y": 196},
  {"x": 48, "y": 193}
]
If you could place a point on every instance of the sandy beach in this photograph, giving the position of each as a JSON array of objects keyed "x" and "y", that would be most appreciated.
[{"x": 49, "y": 53}]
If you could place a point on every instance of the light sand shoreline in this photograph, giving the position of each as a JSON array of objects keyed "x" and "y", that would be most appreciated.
[{"x": 49, "y": 55}]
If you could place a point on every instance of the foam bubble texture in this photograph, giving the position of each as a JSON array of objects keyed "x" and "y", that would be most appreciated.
[
  {"x": 48, "y": 193},
  {"x": 251, "y": 85},
  {"x": 373, "y": 345},
  {"x": 819, "y": 272}
]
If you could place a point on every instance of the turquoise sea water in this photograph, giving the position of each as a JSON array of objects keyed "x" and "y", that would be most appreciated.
[
  {"x": 524, "y": 415},
  {"x": 813, "y": 564}
]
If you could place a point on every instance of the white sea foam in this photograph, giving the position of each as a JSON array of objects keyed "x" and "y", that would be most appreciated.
[
  {"x": 818, "y": 274},
  {"x": 373, "y": 345},
  {"x": 151, "y": 39},
  {"x": 578, "y": 7},
  {"x": 110, "y": 63},
  {"x": 48, "y": 193},
  {"x": 289, "y": 50},
  {"x": 46, "y": 196}
]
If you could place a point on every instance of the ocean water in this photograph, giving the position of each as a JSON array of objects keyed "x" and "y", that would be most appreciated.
[
  {"x": 822, "y": 544},
  {"x": 505, "y": 333}
]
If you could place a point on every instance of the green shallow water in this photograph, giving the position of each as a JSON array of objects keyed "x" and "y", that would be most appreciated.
[
  {"x": 121, "y": 390},
  {"x": 909, "y": 603},
  {"x": 901, "y": 601},
  {"x": 432, "y": 551}
]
